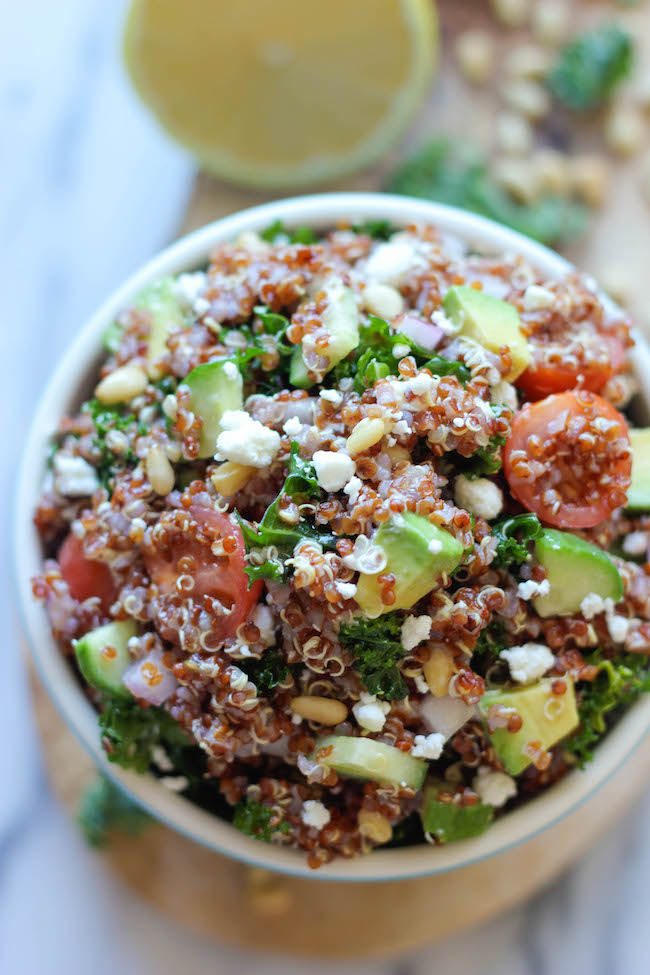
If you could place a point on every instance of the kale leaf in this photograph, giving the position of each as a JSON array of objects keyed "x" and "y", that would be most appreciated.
[
  {"x": 257, "y": 820},
  {"x": 378, "y": 229},
  {"x": 129, "y": 733},
  {"x": 513, "y": 537},
  {"x": 104, "y": 809},
  {"x": 453, "y": 173},
  {"x": 268, "y": 672},
  {"x": 491, "y": 638},
  {"x": 618, "y": 684},
  {"x": 591, "y": 66},
  {"x": 106, "y": 419},
  {"x": 301, "y": 235},
  {"x": 301, "y": 478},
  {"x": 377, "y": 648}
]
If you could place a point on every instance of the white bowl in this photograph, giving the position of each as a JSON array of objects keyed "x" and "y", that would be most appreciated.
[{"x": 71, "y": 382}]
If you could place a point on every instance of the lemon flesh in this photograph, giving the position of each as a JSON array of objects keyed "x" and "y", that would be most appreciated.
[{"x": 282, "y": 93}]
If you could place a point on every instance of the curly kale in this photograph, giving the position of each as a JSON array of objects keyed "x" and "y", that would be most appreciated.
[
  {"x": 591, "y": 66},
  {"x": 268, "y": 672},
  {"x": 106, "y": 419},
  {"x": 513, "y": 539},
  {"x": 130, "y": 732},
  {"x": 377, "y": 649},
  {"x": 301, "y": 235},
  {"x": 378, "y": 229},
  {"x": 257, "y": 820},
  {"x": 104, "y": 809},
  {"x": 618, "y": 684},
  {"x": 457, "y": 174},
  {"x": 491, "y": 638}
]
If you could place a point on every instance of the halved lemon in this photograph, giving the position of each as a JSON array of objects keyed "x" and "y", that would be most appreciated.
[{"x": 282, "y": 93}]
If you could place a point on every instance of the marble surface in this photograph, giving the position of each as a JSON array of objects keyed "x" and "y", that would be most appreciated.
[{"x": 89, "y": 189}]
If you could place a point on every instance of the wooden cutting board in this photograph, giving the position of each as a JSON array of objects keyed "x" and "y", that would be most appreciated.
[{"x": 232, "y": 903}]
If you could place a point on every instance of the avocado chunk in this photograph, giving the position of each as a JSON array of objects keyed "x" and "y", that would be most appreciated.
[
  {"x": 638, "y": 494},
  {"x": 448, "y": 821},
  {"x": 546, "y": 719},
  {"x": 490, "y": 322},
  {"x": 417, "y": 554},
  {"x": 215, "y": 388},
  {"x": 364, "y": 758},
  {"x": 166, "y": 317},
  {"x": 103, "y": 656},
  {"x": 341, "y": 322},
  {"x": 574, "y": 569}
]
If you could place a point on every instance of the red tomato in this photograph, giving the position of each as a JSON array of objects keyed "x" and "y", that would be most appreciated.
[
  {"x": 85, "y": 577},
  {"x": 220, "y": 578},
  {"x": 545, "y": 376},
  {"x": 568, "y": 459}
]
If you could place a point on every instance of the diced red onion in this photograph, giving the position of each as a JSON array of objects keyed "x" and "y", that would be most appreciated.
[
  {"x": 445, "y": 714},
  {"x": 150, "y": 678},
  {"x": 424, "y": 333}
]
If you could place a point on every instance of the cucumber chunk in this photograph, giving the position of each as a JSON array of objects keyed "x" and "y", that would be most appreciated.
[
  {"x": 364, "y": 758},
  {"x": 166, "y": 317},
  {"x": 298, "y": 371},
  {"x": 103, "y": 656},
  {"x": 448, "y": 821},
  {"x": 215, "y": 387},
  {"x": 340, "y": 320},
  {"x": 574, "y": 569},
  {"x": 638, "y": 495}
]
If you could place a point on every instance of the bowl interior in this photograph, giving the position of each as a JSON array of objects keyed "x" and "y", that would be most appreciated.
[{"x": 70, "y": 382}]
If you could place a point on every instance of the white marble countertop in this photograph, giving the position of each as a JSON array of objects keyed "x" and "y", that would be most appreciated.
[{"x": 89, "y": 189}]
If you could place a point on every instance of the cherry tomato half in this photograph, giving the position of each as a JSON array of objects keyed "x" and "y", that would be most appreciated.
[
  {"x": 545, "y": 375},
  {"x": 85, "y": 577}
]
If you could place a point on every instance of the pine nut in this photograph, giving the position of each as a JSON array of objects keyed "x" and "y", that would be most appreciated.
[
  {"x": 550, "y": 22},
  {"x": 514, "y": 134},
  {"x": 552, "y": 171},
  {"x": 589, "y": 178},
  {"x": 375, "y": 826},
  {"x": 511, "y": 13},
  {"x": 230, "y": 477},
  {"x": 122, "y": 384},
  {"x": 159, "y": 470},
  {"x": 527, "y": 61},
  {"x": 625, "y": 130},
  {"x": 438, "y": 671},
  {"x": 518, "y": 177},
  {"x": 366, "y": 433},
  {"x": 475, "y": 55},
  {"x": 528, "y": 98},
  {"x": 322, "y": 710},
  {"x": 383, "y": 300}
]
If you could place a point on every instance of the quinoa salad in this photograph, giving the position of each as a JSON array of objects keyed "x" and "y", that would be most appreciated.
[{"x": 349, "y": 545}]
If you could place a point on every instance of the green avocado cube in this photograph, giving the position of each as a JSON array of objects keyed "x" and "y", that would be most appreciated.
[
  {"x": 490, "y": 322},
  {"x": 638, "y": 495},
  {"x": 448, "y": 821},
  {"x": 574, "y": 569},
  {"x": 166, "y": 317}
]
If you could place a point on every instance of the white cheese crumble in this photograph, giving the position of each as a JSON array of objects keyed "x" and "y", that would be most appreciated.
[
  {"x": 400, "y": 350},
  {"x": 402, "y": 429},
  {"x": 201, "y": 306},
  {"x": 391, "y": 262},
  {"x": 618, "y": 626},
  {"x": 593, "y": 604},
  {"x": 333, "y": 469},
  {"x": 428, "y": 746},
  {"x": 347, "y": 589},
  {"x": 479, "y": 496},
  {"x": 292, "y": 427},
  {"x": 420, "y": 684},
  {"x": 246, "y": 441},
  {"x": 636, "y": 543},
  {"x": 74, "y": 477},
  {"x": 494, "y": 788},
  {"x": 175, "y": 783},
  {"x": 332, "y": 396},
  {"x": 530, "y": 588},
  {"x": 504, "y": 393},
  {"x": 263, "y": 619},
  {"x": 415, "y": 630},
  {"x": 188, "y": 287},
  {"x": 315, "y": 814},
  {"x": 230, "y": 370},
  {"x": 528, "y": 662},
  {"x": 370, "y": 712},
  {"x": 353, "y": 489},
  {"x": 536, "y": 298}
]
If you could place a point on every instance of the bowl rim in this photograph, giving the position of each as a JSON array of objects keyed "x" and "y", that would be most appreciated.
[{"x": 81, "y": 358}]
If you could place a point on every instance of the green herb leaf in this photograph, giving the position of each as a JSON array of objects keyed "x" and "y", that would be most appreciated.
[
  {"x": 301, "y": 235},
  {"x": 618, "y": 684},
  {"x": 377, "y": 648},
  {"x": 378, "y": 229},
  {"x": 267, "y": 570},
  {"x": 104, "y": 809},
  {"x": 267, "y": 672},
  {"x": 257, "y": 820},
  {"x": 129, "y": 734},
  {"x": 106, "y": 419},
  {"x": 456, "y": 174},
  {"x": 301, "y": 479},
  {"x": 513, "y": 539},
  {"x": 591, "y": 66}
]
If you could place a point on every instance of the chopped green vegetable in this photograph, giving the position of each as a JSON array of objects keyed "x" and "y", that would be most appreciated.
[
  {"x": 513, "y": 537},
  {"x": 112, "y": 337},
  {"x": 104, "y": 809},
  {"x": 491, "y": 638},
  {"x": 591, "y": 66},
  {"x": 378, "y": 229},
  {"x": 268, "y": 672},
  {"x": 270, "y": 569},
  {"x": 105, "y": 420},
  {"x": 377, "y": 648},
  {"x": 619, "y": 683},
  {"x": 301, "y": 235},
  {"x": 129, "y": 734},
  {"x": 453, "y": 173},
  {"x": 301, "y": 478},
  {"x": 257, "y": 820}
]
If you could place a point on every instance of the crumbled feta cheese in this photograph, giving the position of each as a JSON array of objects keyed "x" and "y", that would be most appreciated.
[
  {"x": 428, "y": 746},
  {"x": 382, "y": 300},
  {"x": 161, "y": 759},
  {"x": 504, "y": 393},
  {"x": 391, "y": 262},
  {"x": 370, "y": 712},
  {"x": 201, "y": 306},
  {"x": 347, "y": 589},
  {"x": 530, "y": 588},
  {"x": 333, "y": 469},
  {"x": 592, "y": 605},
  {"x": 246, "y": 441},
  {"x": 188, "y": 287},
  {"x": 292, "y": 427},
  {"x": 117, "y": 441},
  {"x": 636, "y": 543},
  {"x": 439, "y": 318},
  {"x": 420, "y": 684},
  {"x": 175, "y": 783},
  {"x": 263, "y": 619},
  {"x": 402, "y": 429},
  {"x": 415, "y": 630},
  {"x": 400, "y": 350},
  {"x": 74, "y": 477},
  {"x": 331, "y": 395},
  {"x": 618, "y": 627},
  {"x": 315, "y": 814},
  {"x": 434, "y": 546},
  {"x": 353, "y": 488},
  {"x": 230, "y": 370},
  {"x": 528, "y": 662},
  {"x": 537, "y": 298},
  {"x": 421, "y": 384},
  {"x": 494, "y": 788},
  {"x": 479, "y": 496}
]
